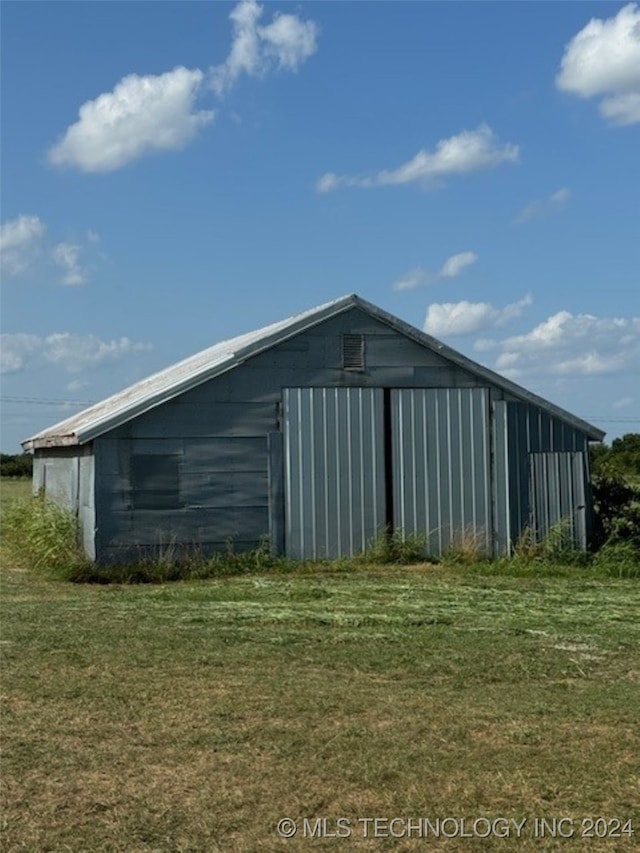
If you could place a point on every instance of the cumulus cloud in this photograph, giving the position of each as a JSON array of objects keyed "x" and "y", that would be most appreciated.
[
  {"x": 544, "y": 206},
  {"x": 157, "y": 112},
  {"x": 604, "y": 59},
  {"x": 73, "y": 353},
  {"x": 66, "y": 255},
  {"x": 19, "y": 243},
  {"x": 448, "y": 319},
  {"x": 141, "y": 114},
  {"x": 573, "y": 344},
  {"x": 451, "y": 268},
  {"x": 285, "y": 43},
  {"x": 469, "y": 151}
]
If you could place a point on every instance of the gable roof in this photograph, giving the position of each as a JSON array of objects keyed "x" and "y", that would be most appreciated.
[{"x": 193, "y": 371}]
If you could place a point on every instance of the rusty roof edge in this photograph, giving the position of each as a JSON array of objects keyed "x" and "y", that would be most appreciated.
[{"x": 479, "y": 369}]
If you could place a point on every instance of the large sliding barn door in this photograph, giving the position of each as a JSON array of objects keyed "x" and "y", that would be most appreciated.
[
  {"x": 441, "y": 466},
  {"x": 333, "y": 470}
]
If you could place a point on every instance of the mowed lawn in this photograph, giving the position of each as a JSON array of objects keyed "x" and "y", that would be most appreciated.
[{"x": 194, "y": 716}]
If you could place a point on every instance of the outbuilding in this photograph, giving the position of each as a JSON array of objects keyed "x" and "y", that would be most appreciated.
[{"x": 318, "y": 432}]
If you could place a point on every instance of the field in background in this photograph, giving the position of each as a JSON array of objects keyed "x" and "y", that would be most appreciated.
[
  {"x": 193, "y": 716},
  {"x": 11, "y": 489}
]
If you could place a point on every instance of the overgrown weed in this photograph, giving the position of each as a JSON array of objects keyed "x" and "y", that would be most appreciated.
[
  {"x": 44, "y": 536},
  {"x": 394, "y": 547}
]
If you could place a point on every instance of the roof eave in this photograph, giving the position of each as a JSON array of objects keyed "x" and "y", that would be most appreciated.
[{"x": 46, "y": 441}]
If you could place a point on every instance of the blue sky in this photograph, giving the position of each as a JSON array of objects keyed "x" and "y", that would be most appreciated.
[{"x": 177, "y": 173}]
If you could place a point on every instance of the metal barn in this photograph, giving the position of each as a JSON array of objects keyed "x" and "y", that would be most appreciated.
[{"x": 318, "y": 432}]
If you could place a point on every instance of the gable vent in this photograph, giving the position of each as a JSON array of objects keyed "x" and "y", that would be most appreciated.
[{"x": 353, "y": 352}]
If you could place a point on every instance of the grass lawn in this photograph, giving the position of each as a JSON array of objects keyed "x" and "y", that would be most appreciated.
[{"x": 194, "y": 716}]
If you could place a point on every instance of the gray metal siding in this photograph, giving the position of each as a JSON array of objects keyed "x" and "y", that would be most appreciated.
[
  {"x": 86, "y": 502},
  {"x": 221, "y": 496},
  {"x": 57, "y": 474},
  {"x": 228, "y": 464},
  {"x": 66, "y": 476},
  {"x": 220, "y": 430},
  {"x": 334, "y": 470},
  {"x": 558, "y": 496},
  {"x": 500, "y": 483},
  {"x": 441, "y": 466},
  {"x": 519, "y": 430}
]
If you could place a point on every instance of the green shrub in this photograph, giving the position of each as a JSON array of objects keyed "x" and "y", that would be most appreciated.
[
  {"x": 16, "y": 465},
  {"x": 43, "y": 535},
  {"x": 618, "y": 560}
]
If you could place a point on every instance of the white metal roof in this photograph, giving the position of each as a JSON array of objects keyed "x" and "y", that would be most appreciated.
[{"x": 172, "y": 381}]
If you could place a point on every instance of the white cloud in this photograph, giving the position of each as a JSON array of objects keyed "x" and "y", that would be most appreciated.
[
  {"x": 19, "y": 242},
  {"x": 286, "y": 43},
  {"x": 451, "y": 268},
  {"x": 16, "y": 350},
  {"x": 410, "y": 280},
  {"x": 544, "y": 206},
  {"x": 93, "y": 236},
  {"x": 157, "y": 112},
  {"x": 568, "y": 344},
  {"x": 454, "y": 265},
  {"x": 447, "y": 319},
  {"x": 141, "y": 114},
  {"x": 622, "y": 109},
  {"x": 66, "y": 255},
  {"x": 604, "y": 59},
  {"x": 72, "y": 352},
  {"x": 469, "y": 151}
]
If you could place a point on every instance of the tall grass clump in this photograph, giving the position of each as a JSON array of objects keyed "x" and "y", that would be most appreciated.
[
  {"x": 42, "y": 535},
  {"x": 395, "y": 547},
  {"x": 557, "y": 547},
  {"x": 468, "y": 546}
]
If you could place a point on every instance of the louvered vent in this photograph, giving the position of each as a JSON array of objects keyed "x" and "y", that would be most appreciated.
[{"x": 353, "y": 352}]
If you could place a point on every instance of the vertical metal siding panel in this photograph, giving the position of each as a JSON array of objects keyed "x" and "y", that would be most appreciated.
[
  {"x": 86, "y": 503},
  {"x": 422, "y": 512},
  {"x": 443, "y": 468},
  {"x": 334, "y": 472},
  {"x": 501, "y": 518},
  {"x": 558, "y": 493},
  {"x": 483, "y": 483},
  {"x": 441, "y": 464},
  {"x": 581, "y": 491},
  {"x": 38, "y": 479},
  {"x": 276, "y": 492},
  {"x": 433, "y": 493},
  {"x": 468, "y": 453}
]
